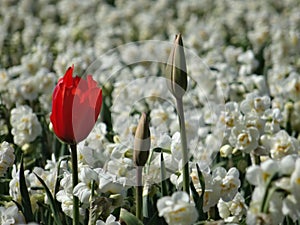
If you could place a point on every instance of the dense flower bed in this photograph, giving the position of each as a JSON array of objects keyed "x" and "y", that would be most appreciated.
[{"x": 241, "y": 105}]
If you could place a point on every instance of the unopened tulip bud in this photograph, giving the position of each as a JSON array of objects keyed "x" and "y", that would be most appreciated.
[
  {"x": 141, "y": 142},
  {"x": 176, "y": 69}
]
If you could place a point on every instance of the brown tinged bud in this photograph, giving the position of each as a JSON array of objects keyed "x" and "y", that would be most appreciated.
[
  {"x": 141, "y": 142},
  {"x": 176, "y": 69}
]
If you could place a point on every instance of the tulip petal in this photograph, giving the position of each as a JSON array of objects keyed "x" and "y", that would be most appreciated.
[{"x": 68, "y": 79}]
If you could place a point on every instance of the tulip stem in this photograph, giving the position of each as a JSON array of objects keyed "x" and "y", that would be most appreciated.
[
  {"x": 185, "y": 160},
  {"x": 139, "y": 193},
  {"x": 75, "y": 182}
]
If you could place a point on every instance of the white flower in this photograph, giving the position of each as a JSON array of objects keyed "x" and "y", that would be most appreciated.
[
  {"x": 274, "y": 215},
  {"x": 230, "y": 117},
  {"x": 65, "y": 196},
  {"x": 11, "y": 215},
  {"x": 255, "y": 103},
  {"x": 49, "y": 178},
  {"x": 28, "y": 88},
  {"x": 96, "y": 138},
  {"x": 83, "y": 188},
  {"x": 258, "y": 175},
  {"x": 162, "y": 117},
  {"x": 291, "y": 207},
  {"x": 109, "y": 183},
  {"x": 7, "y": 157},
  {"x": 249, "y": 63},
  {"x": 25, "y": 125},
  {"x": 230, "y": 183},
  {"x": 244, "y": 138},
  {"x": 292, "y": 86},
  {"x": 111, "y": 220},
  {"x": 233, "y": 210},
  {"x": 14, "y": 184},
  {"x": 177, "y": 210},
  {"x": 283, "y": 144},
  {"x": 66, "y": 200},
  {"x": 225, "y": 150},
  {"x": 273, "y": 118}
]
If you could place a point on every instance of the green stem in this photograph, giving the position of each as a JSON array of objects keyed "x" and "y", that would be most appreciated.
[
  {"x": 139, "y": 193},
  {"x": 268, "y": 193},
  {"x": 185, "y": 160},
  {"x": 92, "y": 215},
  {"x": 75, "y": 182},
  {"x": 164, "y": 189}
]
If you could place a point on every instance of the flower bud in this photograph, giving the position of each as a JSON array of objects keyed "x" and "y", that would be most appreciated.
[
  {"x": 176, "y": 69},
  {"x": 141, "y": 142}
]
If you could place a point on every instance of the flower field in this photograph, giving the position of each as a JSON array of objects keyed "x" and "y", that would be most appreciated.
[{"x": 164, "y": 112}]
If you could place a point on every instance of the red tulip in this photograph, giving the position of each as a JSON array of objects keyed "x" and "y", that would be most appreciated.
[{"x": 76, "y": 104}]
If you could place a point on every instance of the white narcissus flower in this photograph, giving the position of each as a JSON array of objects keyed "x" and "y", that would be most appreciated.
[
  {"x": 233, "y": 210},
  {"x": 291, "y": 207},
  {"x": 230, "y": 183},
  {"x": 161, "y": 117},
  {"x": 96, "y": 138},
  {"x": 274, "y": 215},
  {"x": 65, "y": 196},
  {"x": 177, "y": 210},
  {"x": 111, "y": 220},
  {"x": 255, "y": 103},
  {"x": 226, "y": 151},
  {"x": 14, "y": 184},
  {"x": 25, "y": 125},
  {"x": 244, "y": 138},
  {"x": 258, "y": 175},
  {"x": 109, "y": 183},
  {"x": 248, "y": 61},
  {"x": 283, "y": 144},
  {"x": 292, "y": 85},
  {"x": 83, "y": 188},
  {"x": 7, "y": 157},
  {"x": 11, "y": 215},
  {"x": 230, "y": 117},
  {"x": 273, "y": 118}
]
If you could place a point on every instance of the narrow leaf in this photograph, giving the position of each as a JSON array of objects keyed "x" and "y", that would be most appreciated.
[
  {"x": 53, "y": 205},
  {"x": 129, "y": 218},
  {"x": 202, "y": 215},
  {"x": 25, "y": 202},
  {"x": 164, "y": 189}
]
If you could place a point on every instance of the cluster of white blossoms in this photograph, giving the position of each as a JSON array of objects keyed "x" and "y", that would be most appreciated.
[
  {"x": 25, "y": 125},
  {"x": 7, "y": 157},
  {"x": 254, "y": 126},
  {"x": 233, "y": 211},
  {"x": 242, "y": 105},
  {"x": 276, "y": 192},
  {"x": 11, "y": 215},
  {"x": 219, "y": 185},
  {"x": 177, "y": 209}
]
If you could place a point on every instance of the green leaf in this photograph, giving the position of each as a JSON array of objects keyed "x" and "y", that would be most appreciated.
[
  {"x": 25, "y": 199},
  {"x": 202, "y": 215},
  {"x": 129, "y": 218},
  {"x": 164, "y": 189},
  {"x": 53, "y": 205}
]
